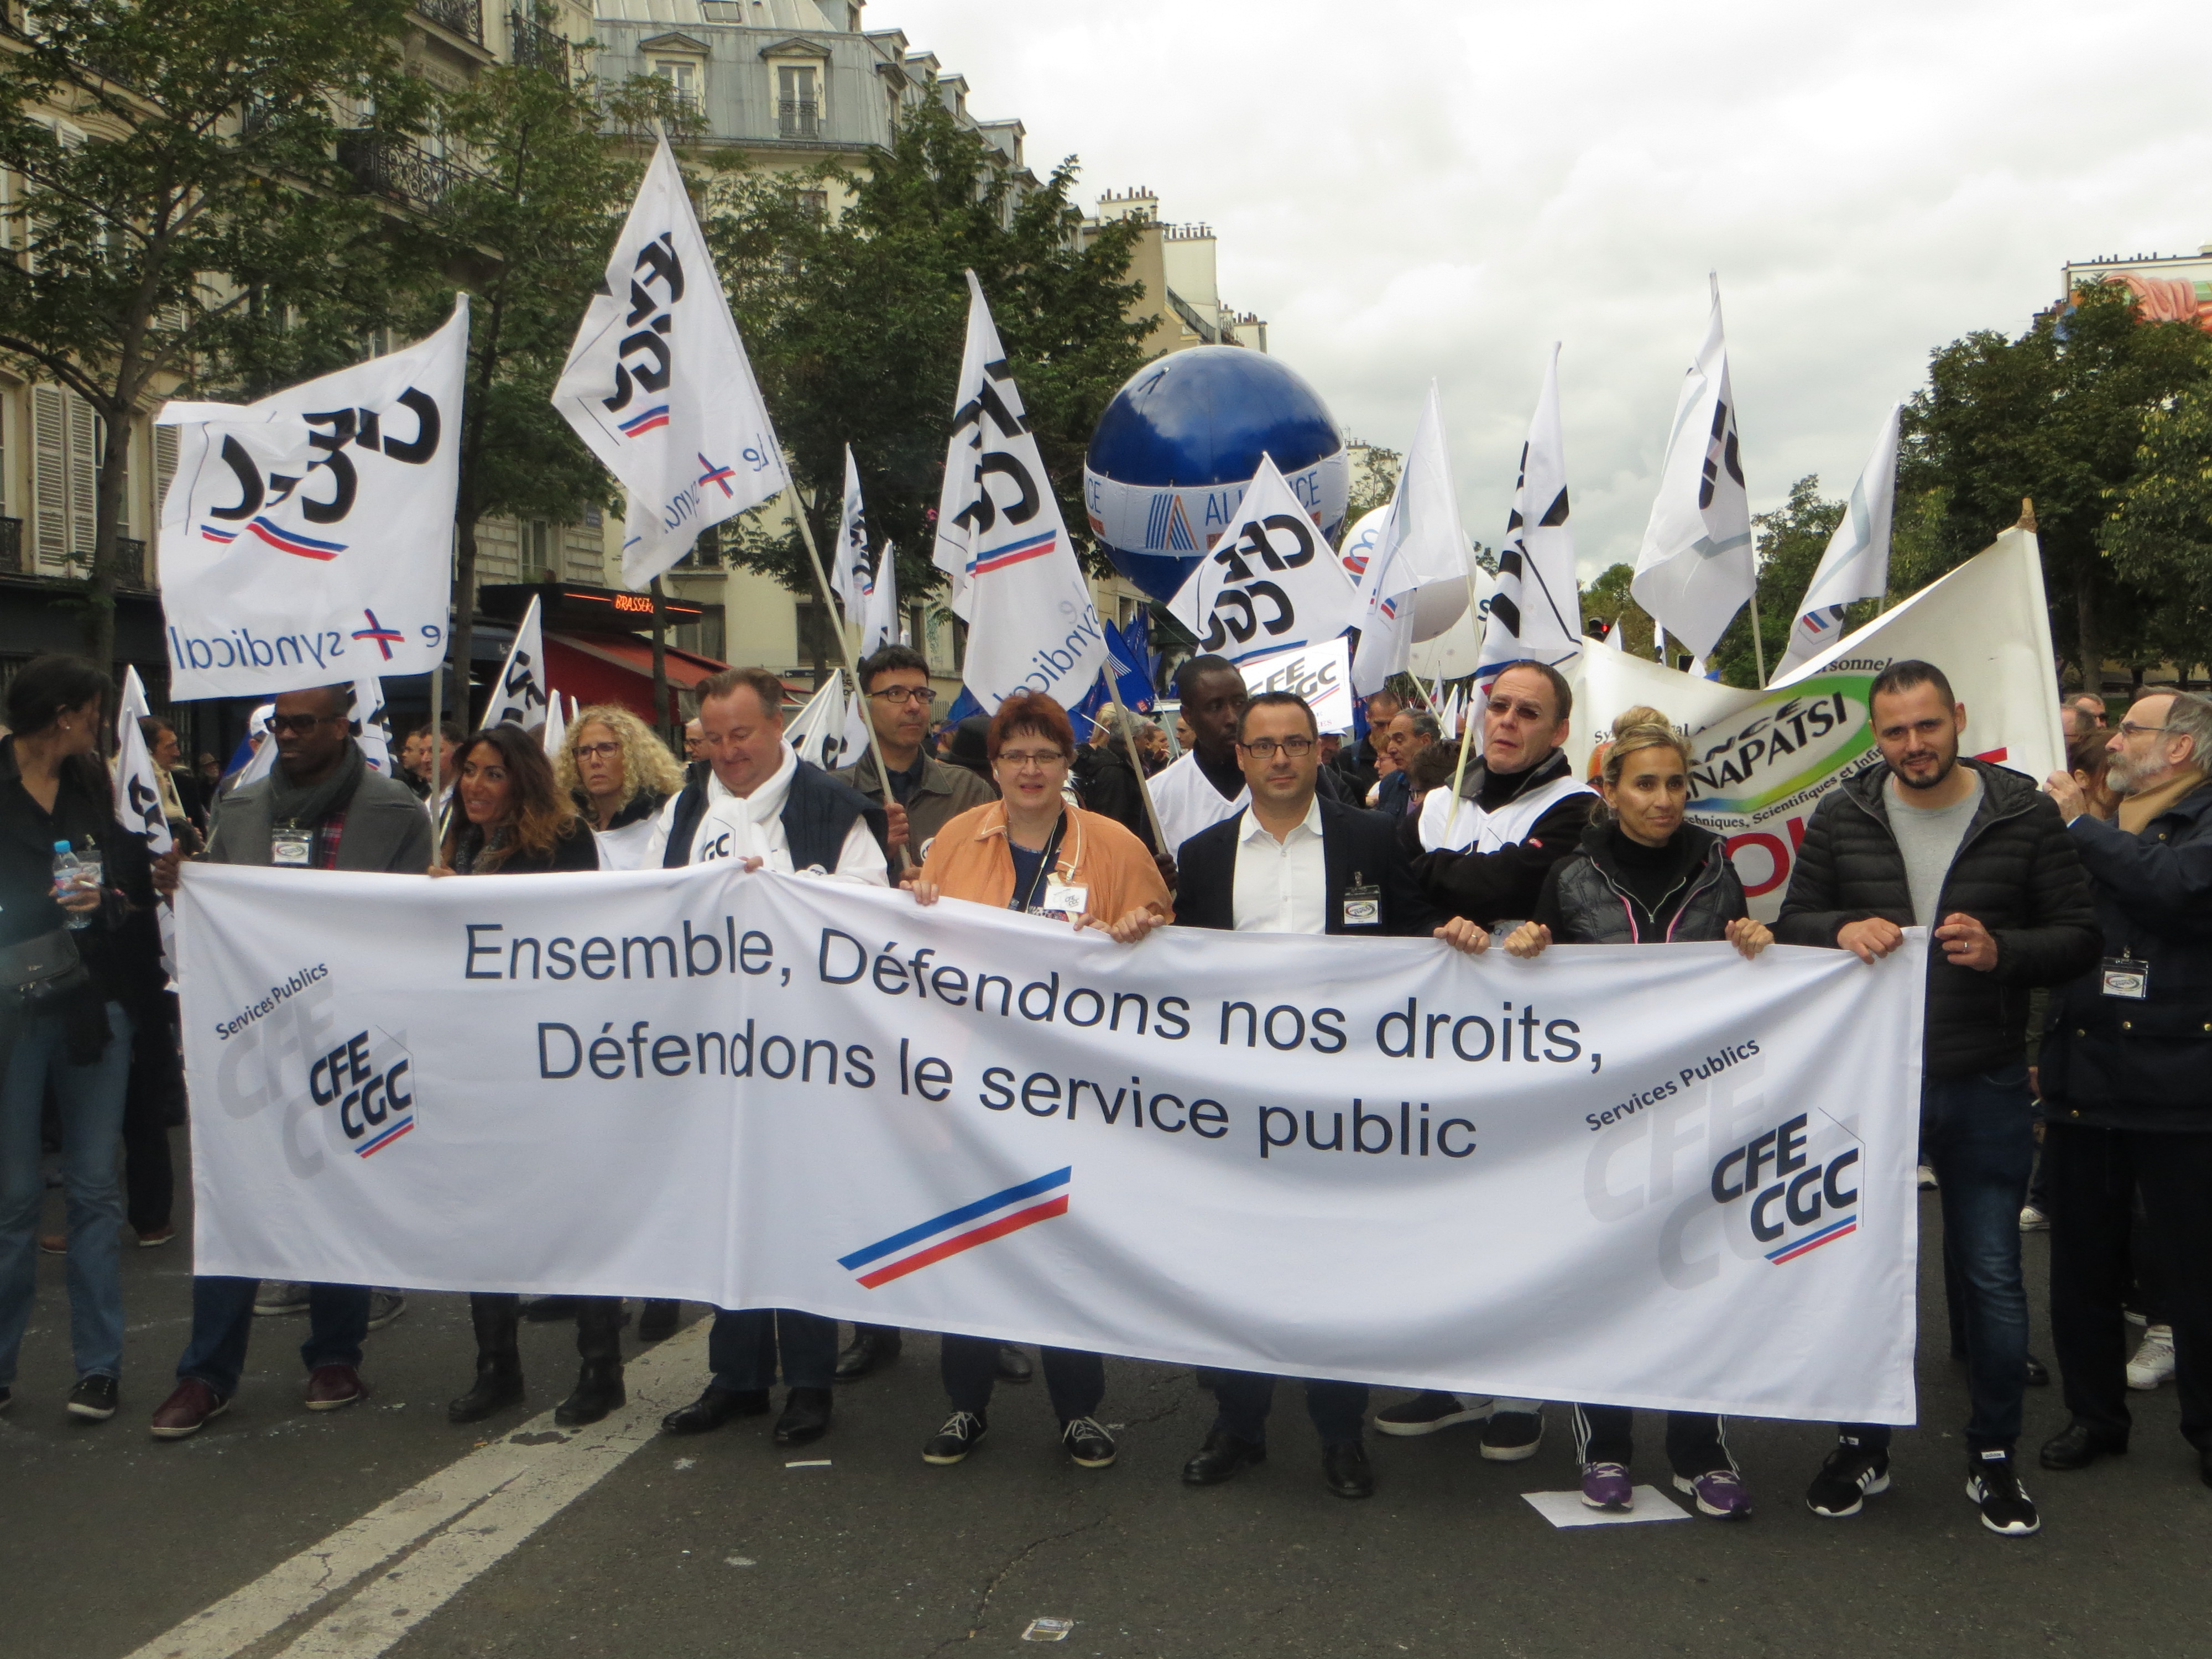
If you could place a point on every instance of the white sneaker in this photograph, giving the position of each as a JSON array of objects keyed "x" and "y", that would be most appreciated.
[
  {"x": 2154, "y": 1361},
  {"x": 2033, "y": 1220},
  {"x": 1926, "y": 1176}
]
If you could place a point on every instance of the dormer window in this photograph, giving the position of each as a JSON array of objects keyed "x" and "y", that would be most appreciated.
[{"x": 797, "y": 107}]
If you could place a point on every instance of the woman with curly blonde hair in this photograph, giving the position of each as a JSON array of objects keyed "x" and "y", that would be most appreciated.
[{"x": 619, "y": 775}]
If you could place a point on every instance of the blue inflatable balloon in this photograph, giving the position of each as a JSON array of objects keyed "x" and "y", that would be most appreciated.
[{"x": 1172, "y": 454}]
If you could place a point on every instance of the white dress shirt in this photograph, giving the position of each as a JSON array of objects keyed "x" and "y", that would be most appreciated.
[
  {"x": 752, "y": 826},
  {"x": 1281, "y": 886}
]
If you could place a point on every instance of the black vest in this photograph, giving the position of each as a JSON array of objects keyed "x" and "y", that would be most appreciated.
[{"x": 817, "y": 815}]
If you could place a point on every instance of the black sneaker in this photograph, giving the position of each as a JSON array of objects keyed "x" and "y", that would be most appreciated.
[
  {"x": 1087, "y": 1443},
  {"x": 2006, "y": 1507},
  {"x": 956, "y": 1439},
  {"x": 1852, "y": 1474},
  {"x": 1510, "y": 1436},
  {"x": 93, "y": 1397},
  {"x": 1429, "y": 1410}
]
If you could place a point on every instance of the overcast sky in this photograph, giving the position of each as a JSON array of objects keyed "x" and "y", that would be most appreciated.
[{"x": 1409, "y": 189}]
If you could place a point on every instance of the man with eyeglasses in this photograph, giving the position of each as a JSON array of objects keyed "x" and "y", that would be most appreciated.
[
  {"x": 1206, "y": 784},
  {"x": 926, "y": 793},
  {"x": 321, "y": 807},
  {"x": 2127, "y": 1096},
  {"x": 1291, "y": 862}
]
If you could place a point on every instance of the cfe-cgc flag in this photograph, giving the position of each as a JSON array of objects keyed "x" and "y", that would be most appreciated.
[
  {"x": 659, "y": 388},
  {"x": 1536, "y": 613},
  {"x": 308, "y": 538},
  {"x": 1856, "y": 564},
  {"x": 1271, "y": 584},
  {"x": 368, "y": 724},
  {"x": 1418, "y": 544},
  {"x": 523, "y": 694},
  {"x": 137, "y": 787},
  {"x": 1016, "y": 580},
  {"x": 849, "y": 577}
]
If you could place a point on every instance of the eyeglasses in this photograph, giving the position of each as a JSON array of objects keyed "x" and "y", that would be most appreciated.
[
  {"x": 1264, "y": 748},
  {"x": 1018, "y": 759},
  {"x": 1501, "y": 707},
  {"x": 301, "y": 724},
  {"x": 598, "y": 750},
  {"x": 2130, "y": 729},
  {"x": 897, "y": 694}
]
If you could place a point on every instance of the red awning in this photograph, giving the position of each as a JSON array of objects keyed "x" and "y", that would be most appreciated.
[{"x": 618, "y": 668}]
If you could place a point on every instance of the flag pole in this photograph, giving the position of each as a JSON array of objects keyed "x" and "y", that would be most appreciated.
[
  {"x": 1136, "y": 762},
  {"x": 845, "y": 648},
  {"x": 1758, "y": 645},
  {"x": 438, "y": 732}
]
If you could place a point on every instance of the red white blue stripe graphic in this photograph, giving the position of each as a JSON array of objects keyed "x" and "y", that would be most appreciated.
[
  {"x": 217, "y": 533},
  {"x": 1011, "y": 1209},
  {"x": 1036, "y": 547},
  {"x": 646, "y": 420},
  {"x": 1827, "y": 1235},
  {"x": 386, "y": 1139},
  {"x": 291, "y": 541}
]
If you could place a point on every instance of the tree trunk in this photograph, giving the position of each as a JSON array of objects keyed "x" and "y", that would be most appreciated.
[
  {"x": 462, "y": 641},
  {"x": 107, "y": 529},
  {"x": 2087, "y": 648},
  {"x": 663, "y": 722}
]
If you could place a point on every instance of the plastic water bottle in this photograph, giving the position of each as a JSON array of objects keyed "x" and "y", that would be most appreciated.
[{"x": 72, "y": 873}]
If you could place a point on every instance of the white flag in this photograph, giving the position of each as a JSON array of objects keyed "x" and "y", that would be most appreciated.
[
  {"x": 879, "y": 628},
  {"x": 1615, "y": 636},
  {"x": 557, "y": 727},
  {"x": 816, "y": 731},
  {"x": 367, "y": 724},
  {"x": 1422, "y": 546},
  {"x": 1386, "y": 625},
  {"x": 1016, "y": 580},
  {"x": 137, "y": 785},
  {"x": 523, "y": 694},
  {"x": 1535, "y": 612},
  {"x": 314, "y": 529},
  {"x": 849, "y": 578},
  {"x": 659, "y": 388},
  {"x": 263, "y": 760},
  {"x": 1272, "y": 583},
  {"x": 1696, "y": 569},
  {"x": 1856, "y": 564}
]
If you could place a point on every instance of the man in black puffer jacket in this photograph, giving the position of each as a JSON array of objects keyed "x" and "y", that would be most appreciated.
[{"x": 1975, "y": 855}]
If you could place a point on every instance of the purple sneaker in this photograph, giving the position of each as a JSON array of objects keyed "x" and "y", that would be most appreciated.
[
  {"x": 1606, "y": 1487},
  {"x": 1720, "y": 1493}
]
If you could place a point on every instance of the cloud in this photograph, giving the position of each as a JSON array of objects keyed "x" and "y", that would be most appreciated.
[{"x": 1418, "y": 189}]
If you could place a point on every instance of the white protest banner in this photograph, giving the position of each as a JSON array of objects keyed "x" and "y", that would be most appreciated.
[
  {"x": 1321, "y": 674},
  {"x": 523, "y": 694},
  {"x": 1760, "y": 761},
  {"x": 1648, "y": 1174},
  {"x": 308, "y": 538},
  {"x": 1273, "y": 582},
  {"x": 1001, "y": 542},
  {"x": 659, "y": 386}
]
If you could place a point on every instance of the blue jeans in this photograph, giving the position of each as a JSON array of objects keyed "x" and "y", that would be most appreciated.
[
  {"x": 90, "y": 1100},
  {"x": 1977, "y": 1131},
  {"x": 222, "y": 1324},
  {"x": 742, "y": 1346}
]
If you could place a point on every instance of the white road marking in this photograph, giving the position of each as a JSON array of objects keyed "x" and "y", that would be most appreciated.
[{"x": 459, "y": 1522}]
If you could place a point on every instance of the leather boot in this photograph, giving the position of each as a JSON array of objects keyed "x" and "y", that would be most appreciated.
[
  {"x": 498, "y": 1361},
  {"x": 599, "y": 1383}
]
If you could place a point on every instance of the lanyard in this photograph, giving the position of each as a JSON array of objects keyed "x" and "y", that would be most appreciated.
[{"x": 1045, "y": 862}]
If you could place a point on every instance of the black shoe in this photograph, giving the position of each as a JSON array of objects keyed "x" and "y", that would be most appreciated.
[
  {"x": 93, "y": 1397},
  {"x": 599, "y": 1391},
  {"x": 2077, "y": 1445},
  {"x": 806, "y": 1417},
  {"x": 713, "y": 1408},
  {"x": 1512, "y": 1437},
  {"x": 1087, "y": 1443},
  {"x": 1431, "y": 1410},
  {"x": 872, "y": 1347},
  {"x": 497, "y": 1385},
  {"x": 952, "y": 1442},
  {"x": 2038, "y": 1374},
  {"x": 547, "y": 1310},
  {"x": 1346, "y": 1469},
  {"x": 659, "y": 1321},
  {"x": 1994, "y": 1486},
  {"x": 1852, "y": 1475},
  {"x": 1221, "y": 1457},
  {"x": 1014, "y": 1365}
]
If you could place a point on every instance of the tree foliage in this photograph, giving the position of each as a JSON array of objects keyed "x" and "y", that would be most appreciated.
[
  {"x": 2159, "y": 533},
  {"x": 854, "y": 319}
]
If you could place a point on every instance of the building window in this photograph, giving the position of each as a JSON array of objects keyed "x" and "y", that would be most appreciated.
[
  {"x": 814, "y": 204},
  {"x": 539, "y": 551},
  {"x": 683, "y": 77},
  {"x": 798, "y": 109}
]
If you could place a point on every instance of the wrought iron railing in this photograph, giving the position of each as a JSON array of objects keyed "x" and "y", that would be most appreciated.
[
  {"x": 11, "y": 546},
  {"x": 396, "y": 167},
  {"x": 535, "y": 46},
  {"x": 798, "y": 118},
  {"x": 130, "y": 562},
  {"x": 463, "y": 17}
]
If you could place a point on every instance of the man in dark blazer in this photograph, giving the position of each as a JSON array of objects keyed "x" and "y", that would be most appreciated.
[{"x": 1293, "y": 863}]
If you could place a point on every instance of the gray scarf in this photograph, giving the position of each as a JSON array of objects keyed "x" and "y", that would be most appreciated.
[{"x": 310, "y": 806}]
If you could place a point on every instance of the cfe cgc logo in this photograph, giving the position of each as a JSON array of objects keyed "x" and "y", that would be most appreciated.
[
  {"x": 368, "y": 1081},
  {"x": 1800, "y": 1196}
]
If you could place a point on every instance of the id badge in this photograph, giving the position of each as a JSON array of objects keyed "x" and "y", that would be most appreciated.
[
  {"x": 1363, "y": 907},
  {"x": 1065, "y": 898},
  {"x": 290, "y": 848},
  {"x": 2123, "y": 976}
]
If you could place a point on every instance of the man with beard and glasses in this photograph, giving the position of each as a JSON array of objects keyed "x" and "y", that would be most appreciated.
[{"x": 1975, "y": 853}]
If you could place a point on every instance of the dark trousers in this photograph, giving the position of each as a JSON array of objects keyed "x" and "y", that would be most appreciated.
[
  {"x": 497, "y": 1314},
  {"x": 2095, "y": 1176},
  {"x": 742, "y": 1345},
  {"x": 1697, "y": 1441},
  {"x": 1977, "y": 1131},
  {"x": 222, "y": 1324},
  {"x": 1242, "y": 1400},
  {"x": 153, "y": 1104},
  {"x": 969, "y": 1365}
]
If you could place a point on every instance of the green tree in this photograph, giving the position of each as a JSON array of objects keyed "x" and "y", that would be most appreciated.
[
  {"x": 2159, "y": 533},
  {"x": 179, "y": 187},
  {"x": 1606, "y": 601},
  {"x": 2058, "y": 415},
  {"x": 855, "y": 321},
  {"x": 1790, "y": 541},
  {"x": 1375, "y": 483}
]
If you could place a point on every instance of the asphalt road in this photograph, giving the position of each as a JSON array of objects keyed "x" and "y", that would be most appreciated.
[{"x": 620, "y": 1542}]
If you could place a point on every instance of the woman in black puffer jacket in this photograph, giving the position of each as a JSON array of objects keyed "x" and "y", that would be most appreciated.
[{"x": 1643, "y": 875}]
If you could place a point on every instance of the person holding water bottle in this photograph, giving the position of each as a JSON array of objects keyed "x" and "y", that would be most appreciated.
[{"x": 80, "y": 960}]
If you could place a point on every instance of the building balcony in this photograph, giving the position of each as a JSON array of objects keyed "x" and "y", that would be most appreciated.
[
  {"x": 396, "y": 168},
  {"x": 11, "y": 547},
  {"x": 535, "y": 46},
  {"x": 798, "y": 118},
  {"x": 461, "y": 17},
  {"x": 131, "y": 563}
]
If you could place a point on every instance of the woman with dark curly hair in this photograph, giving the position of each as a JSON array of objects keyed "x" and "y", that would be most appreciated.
[{"x": 515, "y": 820}]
